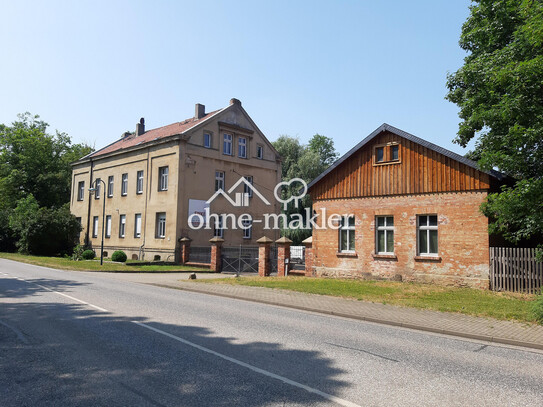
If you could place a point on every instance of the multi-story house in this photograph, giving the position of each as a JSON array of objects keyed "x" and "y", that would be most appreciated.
[{"x": 152, "y": 181}]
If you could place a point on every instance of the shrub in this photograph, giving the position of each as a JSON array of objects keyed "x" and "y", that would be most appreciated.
[
  {"x": 537, "y": 309},
  {"x": 88, "y": 254},
  {"x": 156, "y": 258},
  {"x": 119, "y": 256},
  {"x": 78, "y": 252}
]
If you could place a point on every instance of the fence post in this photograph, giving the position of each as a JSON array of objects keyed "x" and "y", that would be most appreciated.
[
  {"x": 185, "y": 249},
  {"x": 264, "y": 266},
  {"x": 216, "y": 244},
  {"x": 283, "y": 256},
  {"x": 308, "y": 243}
]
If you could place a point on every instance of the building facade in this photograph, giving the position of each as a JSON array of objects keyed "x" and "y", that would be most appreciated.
[
  {"x": 414, "y": 213},
  {"x": 154, "y": 180}
]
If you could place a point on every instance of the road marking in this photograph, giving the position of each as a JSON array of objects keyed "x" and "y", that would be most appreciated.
[
  {"x": 19, "y": 334},
  {"x": 327, "y": 396}
]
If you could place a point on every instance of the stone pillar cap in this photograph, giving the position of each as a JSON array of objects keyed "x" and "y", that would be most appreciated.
[
  {"x": 216, "y": 239},
  {"x": 283, "y": 240},
  {"x": 185, "y": 240},
  {"x": 309, "y": 240},
  {"x": 264, "y": 240}
]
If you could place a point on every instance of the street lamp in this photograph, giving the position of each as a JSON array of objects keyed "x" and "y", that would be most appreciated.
[{"x": 93, "y": 190}]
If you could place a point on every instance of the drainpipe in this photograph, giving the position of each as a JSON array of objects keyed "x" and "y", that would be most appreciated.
[{"x": 148, "y": 192}]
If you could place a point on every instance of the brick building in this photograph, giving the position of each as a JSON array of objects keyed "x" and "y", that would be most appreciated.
[{"x": 415, "y": 213}]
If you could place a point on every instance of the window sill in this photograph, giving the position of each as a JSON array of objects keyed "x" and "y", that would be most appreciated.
[
  {"x": 162, "y": 190},
  {"x": 377, "y": 256},
  {"x": 428, "y": 258},
  {"x": 346, "y": 254}
]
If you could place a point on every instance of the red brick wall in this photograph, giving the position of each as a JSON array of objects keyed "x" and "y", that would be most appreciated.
[{"x": 463, "y": 242}]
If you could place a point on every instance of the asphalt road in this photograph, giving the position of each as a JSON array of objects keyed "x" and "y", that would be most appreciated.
[{"x": 74, "y": 338}]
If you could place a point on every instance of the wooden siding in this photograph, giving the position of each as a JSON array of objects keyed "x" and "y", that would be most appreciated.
[{"x": 419, "y": 171}]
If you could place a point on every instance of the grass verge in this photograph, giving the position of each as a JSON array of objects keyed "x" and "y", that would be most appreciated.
[
  {"x": 94, "y": 265},
  {"x": 506, "y": 306}
]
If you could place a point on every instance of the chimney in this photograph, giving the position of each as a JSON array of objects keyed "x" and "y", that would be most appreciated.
[
  {"x": 235, "y": 101},
  {"x": 199, "y": 111},
  {"x": 140, "y": 127}
]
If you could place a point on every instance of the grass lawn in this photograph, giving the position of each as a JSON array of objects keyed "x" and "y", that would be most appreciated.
[
  {"x": 94, "y": 265},
  {"x": 464, "y": 300}
]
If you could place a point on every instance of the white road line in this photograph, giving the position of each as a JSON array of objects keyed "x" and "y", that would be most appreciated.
[{"x": 327, "y": 396}]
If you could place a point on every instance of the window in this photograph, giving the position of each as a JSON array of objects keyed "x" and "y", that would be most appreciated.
[
  {"x": 137, "y": 225},
  {"x": 219, "y": 230},
  {"x": 346, "y": 234},
  {"x": 380, "y": 154},
  {"x": 385, "y": 234},
  {"x": 80, "y": 190},
  {"x": 122, "y": 225},
  {"x": 78, "y": 220},
  {"x": 247, "y": 228},
  {"x": 124, "y": 185},
  {"x": 394, "y": 153},
  {"x": 427, "y": 235},
  {"x": 139, "y": 183},
  {"x": 95, "y": 226},
  {"x": 227, "y": 144},
  {"x": 163, "y": 179},
  {"x": 389, "y": 153},
  {"x": 246, "y": 188},
  {"x": 219, "y": 180},
  {"x": 242, "y": 147},
  {"x": 207, "y": 140},
  {"x": 108, "y": 225},
  {"x": 161, "y": 225},
  {"x": 110, "y": 186},
  {"x": 98, "y": 186},
  {"x": 259, "y": 152}
]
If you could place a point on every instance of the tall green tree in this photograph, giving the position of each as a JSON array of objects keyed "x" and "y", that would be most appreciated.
[{"x": 499, "y": 90}]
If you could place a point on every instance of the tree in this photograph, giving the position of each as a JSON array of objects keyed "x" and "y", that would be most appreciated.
[
  {"x": 324, "y": 147},
  {"x": 499, "y": 91}
]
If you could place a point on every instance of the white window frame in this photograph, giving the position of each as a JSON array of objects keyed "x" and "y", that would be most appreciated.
[
  {"x": 227, "y": 144},
  {"x": 207, "y": 140},
  {"x": 81, "y": 190},
  {"x": 161, "y": 225},
  {"x": 139, "y": 182},
  {"x": 427, "y": 228},
  {"x": 247, "y": 228},
  {"x": 108, "y": 225},
  {"x": 137, "y": 225},
  {"x": 122, "y": 226},
  {"x": 219, "y": 180},
  {"x": 110, "y": 181},
  {"x": 95, "y": 226},
  {"x": 346, "y": 226},
  {"x": 124, "y": 184},
  {"x": 259, "y": 152},
  {"x": 98, "y": 184},
  {"x": 386, "y": 229},
  {"x": 242, "y": 147},
  {"x": 163, "y": 178},
  {"x": 246, "y": 188},
  {"x": 218, "y": 230}
]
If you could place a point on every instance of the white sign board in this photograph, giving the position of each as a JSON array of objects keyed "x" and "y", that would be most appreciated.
[{"x": 197, "y": 206}]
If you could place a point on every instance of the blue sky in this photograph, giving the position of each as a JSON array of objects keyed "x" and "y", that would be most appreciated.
[{"x": 338, "y": 68}]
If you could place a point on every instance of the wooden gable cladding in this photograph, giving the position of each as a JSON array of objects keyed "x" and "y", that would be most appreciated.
[{"x": 419, "y": 170}]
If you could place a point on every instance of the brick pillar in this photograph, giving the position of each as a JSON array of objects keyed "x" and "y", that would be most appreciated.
[
  {"x": 283, "y": 256},
  {"x": 308, "y": 243},
  {"x": 264, "y": 266},
  {"x": 216, "y": 244},
  {"x": 185, "y": 249}
]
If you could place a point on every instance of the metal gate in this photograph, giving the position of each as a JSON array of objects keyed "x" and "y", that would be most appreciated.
[
  {"x": 273, "y": 259},
  {"x": 242, "y": 259}
]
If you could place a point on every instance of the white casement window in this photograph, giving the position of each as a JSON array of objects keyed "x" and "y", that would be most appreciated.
[
  {"x": 81, "y": 190},
  {"x": 242, "y": 147},
  {"x": 427, "y": 235},
  {"x": 247, "y": 228},
  {"x": 137, "y": 225},
  {"x": 108, "y": 226},
  {"x": 346, "y": 235},
  {"x": 139, "y": 184},
  {"x": 207, "y": 140},
  {"x": 161, "y": 225},
  {"x": 259, "y": 152},
  {"x": 110, "y": 186},
  {"x": 227, "y": 144},
  {"x": 98, "y": 186},
  {"x": 95, "y": 226},
  {"x": 124, "y": 185},
  {"x": 219, "y": 180},
  {"x": 219, "y": 230},
  {"x": 163, "y": 179},
  {"x": 122, "y": 225},
  {"x": 246, "y": 188},
  {"x": 385, "y": 234}
]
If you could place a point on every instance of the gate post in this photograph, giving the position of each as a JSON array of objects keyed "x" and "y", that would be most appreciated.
[
  {"x": 283, "y": 256},
  {"x": 216, "y": 244},
  {"x": 185, "y": 249},
  {"x": 308, "y": 243},
  {"x": 264, "y": 256}
]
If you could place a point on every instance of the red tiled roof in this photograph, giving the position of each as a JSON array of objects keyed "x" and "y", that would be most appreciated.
[{"x": 153, "y": 134}]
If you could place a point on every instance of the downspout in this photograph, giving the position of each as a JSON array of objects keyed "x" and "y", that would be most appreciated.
[
  {"x": 145, "y": 210},
  {"x": 87, "y": 240}
]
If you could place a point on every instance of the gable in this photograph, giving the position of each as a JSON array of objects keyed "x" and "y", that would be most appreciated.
[{"x": 420, "y": 167}]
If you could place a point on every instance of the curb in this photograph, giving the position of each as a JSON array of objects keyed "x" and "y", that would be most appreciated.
[{"x": 487, "y": 338}]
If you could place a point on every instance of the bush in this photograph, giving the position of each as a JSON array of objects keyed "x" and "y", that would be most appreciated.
[
  {"x": 88, "y": 254},
  {"x": 156, "y": 258},
  {"x": 119, "y": 256},
  {"x": 537, "y": 309},
  {"x": 78, "y": 252}
]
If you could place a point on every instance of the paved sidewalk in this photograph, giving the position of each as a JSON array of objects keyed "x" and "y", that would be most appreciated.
[{"x": 487, "y": 329}]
